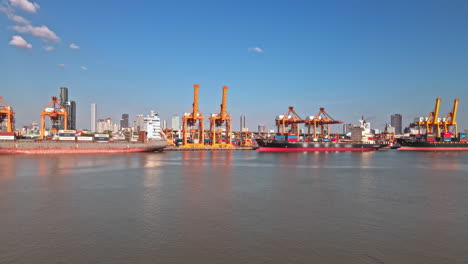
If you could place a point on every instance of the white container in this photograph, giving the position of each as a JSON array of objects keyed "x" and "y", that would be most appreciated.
[
  {"x": 66, "y": 138},
  {"x": 7, "y": 137},
  {"x": 85, "y": 138}
]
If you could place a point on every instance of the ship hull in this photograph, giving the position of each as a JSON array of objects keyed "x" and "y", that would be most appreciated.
[
  {"x": 281, "y": 146},
  {"x": 57, "y": 147},
  {"x": 408, "y": 145}
]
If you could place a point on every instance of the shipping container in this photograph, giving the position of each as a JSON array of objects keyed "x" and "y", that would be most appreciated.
[
  {"x": 463, "y": 140},
  {"x": 326, "y": 140},
  {"x": 80, "y": 138},
  {"x": 447, "y": 139},
  {"x": 7, "y": 137},
  {"x": 67, "y": 134},
  {"x": 66, "y": 138},
  {"x": 101, "y": 135},
  {"x": 431, "y": 139},
  {"x": 462, "y": 135},
  {"x": 7, "y": 133}
]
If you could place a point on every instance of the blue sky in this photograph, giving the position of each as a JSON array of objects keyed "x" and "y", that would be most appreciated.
[{"x": 354, "y": 58}]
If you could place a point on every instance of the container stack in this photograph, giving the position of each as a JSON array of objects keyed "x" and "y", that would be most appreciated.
[
  {"x": 101, "y": 138},
  {"x": 67, "y": 135},
  {"x": 292, "y": 138},
  {"x": 280, "y": 138},
  {"x": 463, "y": 137},
  {"x": 447, "y": 137},
  {"x": 430, "y": 137},
  {"x": 84, "y": 138},
  {"x": 7, "y": 136}
]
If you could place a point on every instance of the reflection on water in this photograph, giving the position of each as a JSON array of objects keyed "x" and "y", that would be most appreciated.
[{"x": 235, "y": 207}]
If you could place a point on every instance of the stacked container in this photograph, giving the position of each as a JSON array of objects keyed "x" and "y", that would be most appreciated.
[
  {"x": 7, "y": 136},
  {"x": 101, "y": 138},
  {"x": 67, "y": 135},
  {"x": 292, "y": 138},
  {"x": 447, "y": 137},
  {"x": 463, "y": 137},
  {"x": 280, "y": 138},
  {"x": 430, "y": 137}
]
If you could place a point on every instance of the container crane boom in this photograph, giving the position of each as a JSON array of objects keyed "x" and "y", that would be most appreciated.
[
  {"x": 7, "y": 112},
  {"x": 218, "y": 119},
  {"x": 54, "y": 110},
  {"x": 192, "y": 117}
]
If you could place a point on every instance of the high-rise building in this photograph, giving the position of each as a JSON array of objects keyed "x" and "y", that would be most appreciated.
[
  {"x": 390, "y": 129},
  {"x": 139, "y": 123},
  {"x": 72, "y": 116},
  {"x": 124, "y": 121},
  {"x": 164, "y": 124},
  {"x": 396, "y": 122},
  {"x": 175, "y": 125},
  {"x": 347, "y": 128},
  {"x": 242, "y": 123},
  {"x": 261, "y": 128},
  {"x": 70, "y": 106},
  {"x": 63, "y": 95},
  {"x": 93, "y": 117},
  {"x": 105, "y": 125}
]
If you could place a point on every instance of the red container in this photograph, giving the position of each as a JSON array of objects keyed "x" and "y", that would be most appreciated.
[
  {"x": 7, "y": 133},
  {"x": 335, "y": 139},
  {"x": 430, "y": 139},
  {"x": 463, "y": 140},
  {"x": 292, "y": 139},
  {"x": 447, "y": 134}
]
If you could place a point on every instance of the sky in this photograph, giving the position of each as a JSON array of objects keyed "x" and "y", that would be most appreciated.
[{"x": 354, "y": 57}]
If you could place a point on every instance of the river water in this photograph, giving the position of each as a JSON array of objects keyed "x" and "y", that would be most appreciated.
[{"x": 235, "y": 207}]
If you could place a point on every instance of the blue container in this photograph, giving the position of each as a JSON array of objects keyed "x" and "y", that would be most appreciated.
[
  {"x": 326, "y": 140},
  {"x": 462, "y": 135},
  {"x": 447, "y": 139},
  {"x": 280, "y": 137}
]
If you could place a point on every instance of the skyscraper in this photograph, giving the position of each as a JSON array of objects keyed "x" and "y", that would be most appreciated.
[
  {"x": 175, "y": 125},
  {"x": 93, "y": 117},
  {"x": 63, "y": 95},
  {"x": 396, "y": 122},
  {"x": 70, "y": 106},
  {"x": 139, "y": 123},
  {"x": 72, "y": 116},
  {"x": 261, "y": 128},
  {"x": 242, "y": 123},
  {"x": 124, "y": 121}
]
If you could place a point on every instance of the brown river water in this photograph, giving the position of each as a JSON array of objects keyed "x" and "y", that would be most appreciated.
[{"x": 235, "y": 207}]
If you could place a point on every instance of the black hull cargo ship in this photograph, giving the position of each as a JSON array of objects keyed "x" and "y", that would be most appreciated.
[
  {"x": 410, "y": 144},
  {"x": 272, "y": 145}
]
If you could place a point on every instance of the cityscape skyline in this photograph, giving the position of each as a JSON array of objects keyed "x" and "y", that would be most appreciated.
[{"x": 364, "y": 62}]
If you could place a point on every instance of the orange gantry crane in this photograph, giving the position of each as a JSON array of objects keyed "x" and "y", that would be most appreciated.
[
  {"x": 54, "y": 110},
  {"x": 190, "y": 120},
  {"x": 6, "y": 112},
  {"x": 432, "y": 121},
  {"x": 449, "y": 124},
  {"x": 220, "y": 118},
  {"x": 321, "y": 119},
  {"x": 289, "y": 119}
]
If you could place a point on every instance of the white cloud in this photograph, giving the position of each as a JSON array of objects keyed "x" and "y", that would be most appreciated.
[
  {"x": 256, "y": 50},
  {"x": 43, "y": 32},
  {"x": 10, "y": 13},
  {"x": 19, "y": 42},
  {"x": 19, "y": 19},
  {"x": 25, "y": 5},
  {"x": 49, "y": 48},
  {"x": 61, "y": 65},
  {"x": 74, "y": 46},
  {"x": 84, "y": 68}
]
